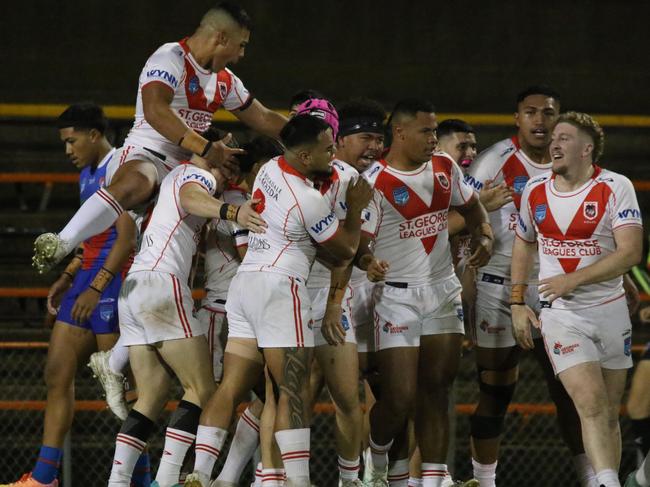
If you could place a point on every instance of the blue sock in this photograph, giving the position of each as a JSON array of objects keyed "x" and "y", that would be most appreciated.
[
  {"x": 142, "y": 472},
  {"x": 47, "y": 465}
]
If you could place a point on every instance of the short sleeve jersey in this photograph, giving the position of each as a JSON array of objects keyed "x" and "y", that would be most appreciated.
[
  {"x": 97, "y": 247},
  {"x": 198, "y": 93},
  {"x": 334, "y": 191},
  {"x": 504, "y": 162},
  {"x": 297, "y": 215},
  {"x": 574, "y": 230},
  {"x": 172, "y": 234},
  {"x": 408, "y": 219},
  {"x": 221, "y": 256}
]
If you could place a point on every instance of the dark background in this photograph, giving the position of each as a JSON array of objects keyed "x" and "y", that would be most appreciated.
[{"x": 467, "y": 56}]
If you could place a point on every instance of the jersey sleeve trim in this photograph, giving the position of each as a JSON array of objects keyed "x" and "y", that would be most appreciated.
[{"x": 163, "y": 83}]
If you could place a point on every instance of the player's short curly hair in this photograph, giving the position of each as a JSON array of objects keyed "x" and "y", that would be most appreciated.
[{"x": 589, "y": 126}]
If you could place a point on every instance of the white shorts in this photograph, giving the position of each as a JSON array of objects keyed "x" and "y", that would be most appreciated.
[
  {"x": 403, "y": 315},
  {"x": 156, "y": 307},
  {"x": 164, "y": 163},
  {"x": 214, "y": 319},
  {"x": 493, "y": 324},
  {"x": 362, "y": 317},
  {"x": 318, "y": 297},
  {"x": 272, "y": 308},
  {"x": 601, "y": 333}
]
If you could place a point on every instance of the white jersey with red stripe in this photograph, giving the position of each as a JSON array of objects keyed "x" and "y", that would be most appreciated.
[
  {"x": 198, "y": 93},
  {"x": 297, "y": 215},
  {"x": 172, "y": 235},
  {"x": 334, "y": 191},
  {"x": 504, "y": 162},
  {"x": 221, "y": 256},
  {"x": 574, "y": 230},
  {"x": 408, "y": 219}
]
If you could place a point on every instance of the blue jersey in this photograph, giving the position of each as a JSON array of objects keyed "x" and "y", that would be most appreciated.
[{"x": 96, "y": 248}]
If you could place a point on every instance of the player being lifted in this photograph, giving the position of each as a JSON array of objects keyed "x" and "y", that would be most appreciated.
[
  {"x": 418, "y": 314},
  {"x": 84, "y": 298},
  {"x": 180, "y": 87},
  {"x": 268, "y": 304},
  {"x": 586, "y": 224}
]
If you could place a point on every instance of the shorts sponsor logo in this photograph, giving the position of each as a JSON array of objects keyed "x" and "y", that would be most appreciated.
[
  {"x": 475, "y": 184},
  {"x": 443, "y": 180},
  {"x": 540, "y": 213},
  {"x": 106, "y": 311},
  {"x": 629, "y": 213},
  {"x": 345, "y": 323},
  {"x": 223, "y": 89},
  {"x": 519, "y": 184},
  {"x": 193, "y": 85},
  {"x": 459, "y": 313},
  {"x": 394, "y": 329},
  {"x": 163, "y": 75},
  {"x": 559, "y": 349},
  {"x": 491, "y": 329},
  {"x": 401, "y": 195},
  {"x": 627, "y": 346},
  {"x": 590, "y": 209}
]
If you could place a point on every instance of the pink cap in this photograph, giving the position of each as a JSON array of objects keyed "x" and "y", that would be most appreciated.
[{"x": 321, "y": 108}]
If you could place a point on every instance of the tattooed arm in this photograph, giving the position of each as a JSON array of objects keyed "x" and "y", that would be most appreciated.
[{"x": 332, "y": 329}]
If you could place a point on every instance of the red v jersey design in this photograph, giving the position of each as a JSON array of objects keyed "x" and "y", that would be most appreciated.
[
  {"x": 407, "y": 202},
  {"x": 516, "y": 177},
  {"x": 585, "y": 221}
]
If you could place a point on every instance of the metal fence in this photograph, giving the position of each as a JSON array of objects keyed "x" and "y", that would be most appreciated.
[{"x": 533, "y": 453}]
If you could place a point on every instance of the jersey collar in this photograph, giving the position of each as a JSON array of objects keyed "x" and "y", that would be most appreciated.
[{"x": 285, "y": 167}]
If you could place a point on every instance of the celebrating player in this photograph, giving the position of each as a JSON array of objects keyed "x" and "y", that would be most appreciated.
[
  {"x": 586, "y": 224},
  {"x": 418, "y": 314},
  {"x": 181, "y": 85}
]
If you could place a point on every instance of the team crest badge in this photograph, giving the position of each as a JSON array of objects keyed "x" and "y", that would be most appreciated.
[
  {"x": 401, "y": 195},
  {"x": 590, "y": 209},
  {"x": 345, "y": 323},
  {"x": 519, "y": 184},
  {"x": 540, "y": 213},
  {"x": 193, "y": 86},
  {"x": 223, "y": 89},
  {"x": 443, "y": 180}
]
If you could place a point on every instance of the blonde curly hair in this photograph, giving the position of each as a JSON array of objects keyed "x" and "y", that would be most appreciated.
[{"x": 586, "y": 123}]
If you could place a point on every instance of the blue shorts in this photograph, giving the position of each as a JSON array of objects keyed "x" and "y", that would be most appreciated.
[{"x": 104, "y": 319}]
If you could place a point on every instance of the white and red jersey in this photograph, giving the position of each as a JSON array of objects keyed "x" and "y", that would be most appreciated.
[
  {"x": 408, "y": 219},
  {"x": 221, "y": 256},
  {"x": 504, "y": 162},
  {"x": 574, "y": 230},
  {"x": 297, "y": 215},
  {"x": 334, "y": 191},
  {"x": 172, "y": 235},
  {"x": 198, "y": 93}
]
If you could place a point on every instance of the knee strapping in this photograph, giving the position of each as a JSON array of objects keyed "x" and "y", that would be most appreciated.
[
  {"x": 498, "y": 391},
  {"x": 486, "y": 427}
]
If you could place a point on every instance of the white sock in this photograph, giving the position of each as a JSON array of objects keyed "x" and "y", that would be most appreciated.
[
  {"x": 585, "y": 471},
  {"x": 127, "y": 451},
  {"x": 348, "y": 469},
  {"x": 379, "y": 454},
  {"x": 242, "y": 447},
  {"x": 398, "y": 473},
  {"x": 177, "y": 442},
  {"x": 486, "y": 474},
  {"x": 209, "y": 442},
  {"x": 433, "y": 474},
  {"x": 272, "y": 477},
  {"x": 608, "y": 478},
  {"x": 294, "y": 446},
  {"x": 93, "y": 217},
  {"x": 642, "y": 475},
  {"x": 414, "y": 482},
  {"x": 258, "y": 475},
  {"x": 119, "y": 357}
]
